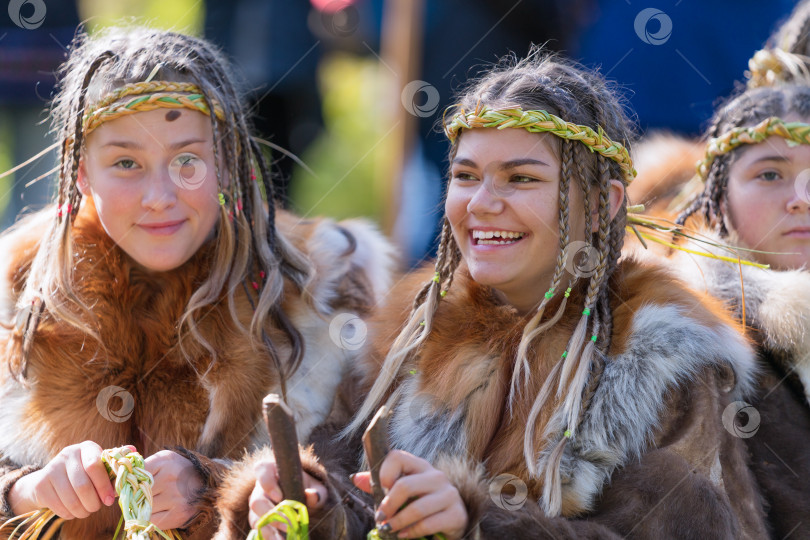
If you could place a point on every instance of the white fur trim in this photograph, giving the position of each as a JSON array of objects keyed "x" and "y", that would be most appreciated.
[
  {"x": 328, "y": 249},
  {"x": 775, "y": 302},
  {"x": 21, "y": 442},
  {"x": 666, "y": 349}
]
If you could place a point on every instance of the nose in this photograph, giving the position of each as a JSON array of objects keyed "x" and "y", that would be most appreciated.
[
  {"x": 160, "y": 192},
  {"x": 487, "y": 199},
  {"x": 799, "y": 199}
]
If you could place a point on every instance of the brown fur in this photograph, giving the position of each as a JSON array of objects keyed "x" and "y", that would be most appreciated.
[
  {"x": 466, "y": 364},
  {"x": 665, "y": 163},
  {"x": 347, "y": 511},
  {"x": 215, "y": 415}
]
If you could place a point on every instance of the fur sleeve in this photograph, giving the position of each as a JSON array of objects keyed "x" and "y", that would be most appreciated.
[{"x": 211, "y": 473}]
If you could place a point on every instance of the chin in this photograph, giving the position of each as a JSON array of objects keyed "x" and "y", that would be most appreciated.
[{"x": 158, "y": 264}]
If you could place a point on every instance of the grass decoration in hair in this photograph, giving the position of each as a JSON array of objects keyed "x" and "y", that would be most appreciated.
[
  {"x": 663, "y": 231},
  {"x": 133, "y": 484}
]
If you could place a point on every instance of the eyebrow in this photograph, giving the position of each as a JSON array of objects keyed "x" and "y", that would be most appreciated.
[
  {"x": 774, "y": 157},
  {"x": 132, "y": 145},
  {"x": 511, "y": 164}
]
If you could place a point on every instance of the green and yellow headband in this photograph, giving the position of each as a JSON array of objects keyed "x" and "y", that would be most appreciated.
[
  {"x": 148, "y": 97},
  {"x": 794, "y": 132},
  {"x": 542, "y": 122}
]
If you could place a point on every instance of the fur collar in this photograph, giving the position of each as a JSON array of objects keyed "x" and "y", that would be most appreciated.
[
  {"x": 776, "y": 302},
  {"x": 452, "y": 400},
  {"x": 217, "y": 413}
]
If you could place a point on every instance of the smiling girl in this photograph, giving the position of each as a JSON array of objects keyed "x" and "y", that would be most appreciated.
[
  {"x": 540, "y": 386},
  {"x": 162, "y": 296},
  {"x": 757, "y": 197}
]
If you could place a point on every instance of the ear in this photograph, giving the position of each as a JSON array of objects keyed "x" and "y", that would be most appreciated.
[
  {"x": 81, "y": 180},
  {"x": 615, "y": 199}
]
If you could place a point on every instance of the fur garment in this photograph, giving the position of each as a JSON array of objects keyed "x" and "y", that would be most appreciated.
[
  {"x": 136, "y": 387},
  {"x": 651, "y": 459},
  {"x": 775, "y": 418}
]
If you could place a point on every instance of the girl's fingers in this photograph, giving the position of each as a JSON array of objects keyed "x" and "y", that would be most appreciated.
[
  {"x": 97, "y": 474},
  {"x": 363, "y": 481},
  {"x": 66, "y": 494},
  {"x": 409, "y": 487},
  {"x": 437, "y": 523},
  {"x": 49, "y": 499},
  {"x": 316, "y": 496},
  {"x": 267, "y": 478},
  {"x": 83, "y": 487},
  {"x": 259, "y": 504},
  {"x": 398, "y": 463},
  {"x": 422, "y": 508}
]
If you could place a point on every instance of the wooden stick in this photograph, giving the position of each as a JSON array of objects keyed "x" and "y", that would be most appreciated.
[
  {"x": 281, "y": 426},
  {"x": 375, "y": 443}
]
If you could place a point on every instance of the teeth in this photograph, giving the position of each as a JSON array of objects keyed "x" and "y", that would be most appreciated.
[{"x": 482, "y": 235}]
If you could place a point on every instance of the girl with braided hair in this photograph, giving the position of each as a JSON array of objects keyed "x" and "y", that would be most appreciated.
[
  {"x": 163, "y": 296},
  {"x": 755, "y": 196},
  {"x": 539, "y": 385},
  {"x": 666, "y": 160}
]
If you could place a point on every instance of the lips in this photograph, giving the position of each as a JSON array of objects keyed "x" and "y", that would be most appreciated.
[
  {"x": 798, "y": 232},
  {"x": 163, "y": 228}
]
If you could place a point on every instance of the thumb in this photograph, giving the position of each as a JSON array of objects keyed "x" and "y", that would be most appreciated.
[{"x": 362, "y": 480}]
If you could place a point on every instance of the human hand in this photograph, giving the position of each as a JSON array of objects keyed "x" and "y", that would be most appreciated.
[
  {"x": 267, "y": 493},
  {"x": 176, "y": 486},
  {"x": 433, "y": 503},
  {"x": 74, "y": 484}
]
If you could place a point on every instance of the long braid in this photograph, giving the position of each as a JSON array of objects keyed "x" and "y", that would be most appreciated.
[
  {"x": 531, "y": 331},
  {"x": 416, "y": 330}
]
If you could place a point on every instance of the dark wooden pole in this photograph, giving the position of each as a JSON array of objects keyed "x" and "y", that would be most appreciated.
[{"x": 281, "y": 426}]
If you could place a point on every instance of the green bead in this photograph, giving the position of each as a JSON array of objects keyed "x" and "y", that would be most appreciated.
[
  {"x": 567, "y": 434},
  {"x": 586, "y": 312},
  {"x": 564, "y": 354},
  {"x": 593, "y": 338}
]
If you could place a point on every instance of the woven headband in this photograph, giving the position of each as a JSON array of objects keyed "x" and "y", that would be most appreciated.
[
  {"x": 542, "y": 122},
  {"x": 795, "y": 133},
  {"x": 148, "y": 97}
]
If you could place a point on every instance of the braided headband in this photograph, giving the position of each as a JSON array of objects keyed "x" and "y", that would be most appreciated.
[
  {"x": 794, "y": 132},
  {"x": 542, "y": 122},
  {"x": 149, "y": 96}
]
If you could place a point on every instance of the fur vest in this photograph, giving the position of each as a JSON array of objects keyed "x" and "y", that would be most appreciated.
[
  {"x": 776, "y": 429},
  {"x": 138, "y": 387},
  {"x": 651, "y": 458}
]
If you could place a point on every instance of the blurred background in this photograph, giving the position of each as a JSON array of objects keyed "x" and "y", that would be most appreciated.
[{"x": 354, "y": 90}]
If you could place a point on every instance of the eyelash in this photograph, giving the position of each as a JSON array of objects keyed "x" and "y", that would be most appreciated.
[
  {"x": 118, "y": 164},
  {"x": 518, "y": 178},
  {"x": 762, "y": 176}
]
